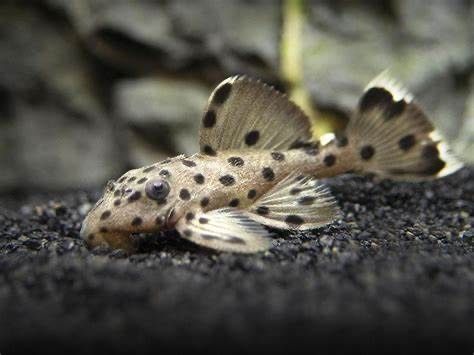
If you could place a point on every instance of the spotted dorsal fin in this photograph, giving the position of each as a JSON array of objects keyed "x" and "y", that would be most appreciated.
[
  {"x": 243, "y": 113},
  {"x": 225, "y": 229},
  {"x": 394, "y": 138},
  {"x": 297, "y": 202}
]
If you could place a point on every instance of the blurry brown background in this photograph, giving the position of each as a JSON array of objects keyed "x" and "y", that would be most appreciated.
[{"x": 90, "y": 88}]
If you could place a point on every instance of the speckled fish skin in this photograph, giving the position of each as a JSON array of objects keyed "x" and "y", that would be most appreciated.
[
  {"x": 198, "y": 182},
  {"x": 258, "y": 166}
]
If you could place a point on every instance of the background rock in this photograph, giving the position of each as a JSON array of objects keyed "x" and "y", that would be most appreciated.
[
  {"x": 89, "y": 88},
  {"x": 428, "y": 48},
  {"x": 57, "y": 133},
  {"x": 162, "y": 112},
  {"x": 465, "y": 142}
]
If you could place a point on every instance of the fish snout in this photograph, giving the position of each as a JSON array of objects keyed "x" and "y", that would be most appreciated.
[
  {"x": 92, "y": 237},
  {"x": 114, "y": 240}
]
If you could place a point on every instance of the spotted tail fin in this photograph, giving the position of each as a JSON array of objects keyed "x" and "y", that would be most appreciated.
[{"x": 394, "y": 138}]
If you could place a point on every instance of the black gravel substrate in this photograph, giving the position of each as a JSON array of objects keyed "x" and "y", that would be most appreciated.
[{"x": 395, "y": 276}]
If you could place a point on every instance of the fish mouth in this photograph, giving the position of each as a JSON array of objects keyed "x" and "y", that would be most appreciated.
[{"x": 113, "y": 239}]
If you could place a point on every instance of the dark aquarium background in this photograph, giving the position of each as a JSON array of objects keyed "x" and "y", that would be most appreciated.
[{"x": 92, "y": 88}]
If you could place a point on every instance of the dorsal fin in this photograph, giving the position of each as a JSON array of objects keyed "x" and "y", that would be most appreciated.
[{"x": 243, "y": 113}]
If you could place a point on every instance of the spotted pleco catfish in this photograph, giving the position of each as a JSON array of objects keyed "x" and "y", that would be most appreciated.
[{"x": 258, "y": 166}]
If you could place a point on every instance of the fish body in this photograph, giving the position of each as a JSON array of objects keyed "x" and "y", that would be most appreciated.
[{"x": 258, "y": 166}]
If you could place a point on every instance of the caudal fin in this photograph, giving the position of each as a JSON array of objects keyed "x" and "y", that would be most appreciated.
[{"x": 394, "y": 138}]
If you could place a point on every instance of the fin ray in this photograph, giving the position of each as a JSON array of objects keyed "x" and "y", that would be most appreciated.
[
  {"x": 247, "y": 114},
  {"x": 296, "y": 203},
  {"x": 225, "y": 229},
  {"x": 394, "y": 138}
]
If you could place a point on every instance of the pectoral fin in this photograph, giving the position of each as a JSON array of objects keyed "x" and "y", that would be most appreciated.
[
  {"x": 224, "y": 229},
  {"x": 297, "y": 202}
]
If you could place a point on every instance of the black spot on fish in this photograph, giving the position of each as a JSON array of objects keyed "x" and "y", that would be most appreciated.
[
  {"x": 165, "y": 173},
  {"x": 110, "y": 186},
  {"x": 235, "y": 240},
  {"x": 375, "y": 97},
  {"x": 117, "y": 202},
  {"x": 189, "y": 216},
  {"x": 306, "y": 200},
  {"x": 147, "y": 170},
  {"x": 222, "y": 94},
  {"x": 298, "y": 143},
  {"x": 134, "y": 196},
  {"x": 122, "y": 179},
  {"x": 311, "y": 151},
  {"x": 341, "y": 141},
  {"x": 142, "y": 180},
  {"x": 234, "y": 202},
  {"x": 251, "y": 194},
  {"x": 105, "y": 215},
  {"x": 406, "y": 142},
  {"x": 395, "y": 109},
  {"x": 159, "y": 220},
  {"x": 187, "y": 233},
  {"x": 204, "y": 202},
  {"x": 203, "y": 220},
  {"x": 132, "y": 179},
  {"x": 208, "y": 150},
  {"x": 208, "y": 237},
  {"x": 329, "y": 160},
  {"x": 294, "y": 219},
  {"x": 103, "y": 230},
  {"x": 295, "y": 191},
  {"x": 431, "y": 165},
  {"x": 209, "y": 119},
  {"x": 161, "y": 201},
  {"x": 184, "y": 194},
  {"x": 136, "y": 221},
  {"x": 434, "y": 167},
  {"x": 199, "y": 179},
  {"x": 262, "y": 210},
  {"x": 268, "y": 174},
  {"x": 277, "y": 156},
  {"x": 188, "y": 163},
  {"x": 430, "y": 151},
  {"x": 236, "y": 161},
  {"x": 117, "y": 193},
  {"x": 251, "y": 138},
  {"x": 227, "y": 180},
  {"x": 367, "y": 152},
  {"x": 91, "y": 237}
]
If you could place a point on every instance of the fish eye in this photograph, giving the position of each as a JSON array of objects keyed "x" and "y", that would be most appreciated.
[{"x": 157, "y": 189}]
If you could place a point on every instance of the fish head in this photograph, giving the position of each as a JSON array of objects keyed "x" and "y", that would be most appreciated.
[{"x": 140, "y": 201}]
